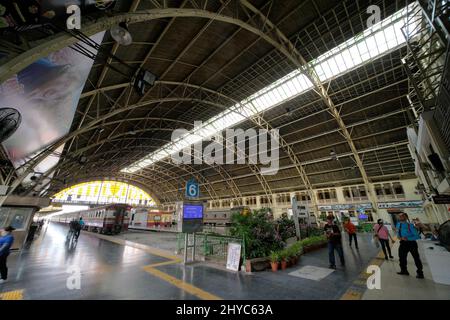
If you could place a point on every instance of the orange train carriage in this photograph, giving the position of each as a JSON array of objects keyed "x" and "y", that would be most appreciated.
[
  {"x": 109, "y": 219},
  {"x": 150, "y": 218}
]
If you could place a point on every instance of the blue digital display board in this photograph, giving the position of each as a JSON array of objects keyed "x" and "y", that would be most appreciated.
[
  {"x": 191, "y": 211},
  {"x": 363, "y": 216}
]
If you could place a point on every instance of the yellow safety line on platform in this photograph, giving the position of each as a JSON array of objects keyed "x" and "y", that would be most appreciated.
[
  {"x": 181, "y": 284},
  {"x": 163, "y": 263},
  {"x": 164, "y": 276},
  {"x": 351, "y": 293},
  {"x": 12, "y": 295},
  {"x": 146, "y": 248}
]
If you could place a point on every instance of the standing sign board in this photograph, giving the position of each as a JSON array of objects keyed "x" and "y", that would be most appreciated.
[
  {"x": 190, "y": 216},
  {"x": 233, "y": 256}
]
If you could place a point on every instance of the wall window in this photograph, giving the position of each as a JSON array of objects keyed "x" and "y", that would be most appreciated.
[
  {"x": 216, "y": 204},
  {"x": 347, "y": 195},
  {"x": 283, "y": 198},
  {"x": 398, "y": 189},
  {"x": 226, "y": 203},
  {"x": 379, "y": 190},
  {"x": 15, "y": 217},
  {"x": 250, "y": 201},
  {"x": 328, "y": 195},
  {"x": 237, "y": 202},
  {"x": 104, "y": 192},
  {"x": 387, "y": 188},
  {"x": 264, "y": 200},
  {"x": 363, "y": 192}
]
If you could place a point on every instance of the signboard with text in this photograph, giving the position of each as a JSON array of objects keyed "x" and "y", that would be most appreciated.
[
  {"x": 192, "y": 189},
  {"x": 233, "y": 256},
  {"x": 350, "y": 206},
  {"x": 400, "y": 204},
  {"x": 190, "y": 216},
  {"x": 441, "y": 199}
]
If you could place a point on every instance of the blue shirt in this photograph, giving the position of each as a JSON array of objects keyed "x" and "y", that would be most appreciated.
[
  {"x": 5, "y": 244},
  {"x": 407, "y": 230}
]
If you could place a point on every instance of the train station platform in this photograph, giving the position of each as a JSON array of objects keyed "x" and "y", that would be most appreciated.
[{"x": 113, "y": 268}]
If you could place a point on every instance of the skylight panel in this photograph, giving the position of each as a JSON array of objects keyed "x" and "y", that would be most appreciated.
[
  {"x": 347, "y": 58},
  {"x": 354, "y": 52},
  {"x": 363, "y": 50}
]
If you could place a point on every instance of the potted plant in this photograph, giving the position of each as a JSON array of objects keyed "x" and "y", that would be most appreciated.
[
  {"x": 295, "y": 251},
  {"x": 284, "y": 259},
  {"x": 274, "y": 260}
]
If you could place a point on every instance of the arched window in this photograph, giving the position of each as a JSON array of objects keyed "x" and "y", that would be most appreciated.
[{"x": 103, "y": 192}]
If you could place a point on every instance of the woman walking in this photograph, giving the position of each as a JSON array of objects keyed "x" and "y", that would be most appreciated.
[{"x": 382, "y": 233}]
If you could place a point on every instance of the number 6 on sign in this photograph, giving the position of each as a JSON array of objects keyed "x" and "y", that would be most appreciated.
[{"x": 192, "y": 189}]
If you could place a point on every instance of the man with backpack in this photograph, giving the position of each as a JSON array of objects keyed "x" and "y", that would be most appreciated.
[{"x": 408, "y": 235}]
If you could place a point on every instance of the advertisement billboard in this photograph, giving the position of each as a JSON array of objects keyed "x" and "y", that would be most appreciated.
[{"x": 46, "y": 94}]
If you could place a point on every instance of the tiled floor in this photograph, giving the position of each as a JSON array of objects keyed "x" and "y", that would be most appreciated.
[
  {"x": 116, "y": 269},
  {"x": 397, "y": 287}
]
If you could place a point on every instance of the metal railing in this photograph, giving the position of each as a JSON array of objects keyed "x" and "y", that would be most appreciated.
[{"x": 211, "y": 246}]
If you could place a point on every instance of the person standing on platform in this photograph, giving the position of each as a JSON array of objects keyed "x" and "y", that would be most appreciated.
[
  {"x": 333, "y": 235},
  {"x": 350, "y": 228},
  {"x": 408, "y": 236},
  {"x": 6, "y": 241},
  {"x": 383, "y": 236}
]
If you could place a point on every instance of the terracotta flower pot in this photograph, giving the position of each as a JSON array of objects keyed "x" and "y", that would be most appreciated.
[
  {"x": 283, "y": 265},
  {"x": 274, "y": 266}
]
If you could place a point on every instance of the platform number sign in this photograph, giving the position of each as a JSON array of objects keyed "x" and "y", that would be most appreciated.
[{"x": 192, "y": 189}]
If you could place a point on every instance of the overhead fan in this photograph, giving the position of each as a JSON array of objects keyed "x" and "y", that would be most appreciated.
[
  {"x": 9, "y": 122},
  {"x": 121, "y": 34}
]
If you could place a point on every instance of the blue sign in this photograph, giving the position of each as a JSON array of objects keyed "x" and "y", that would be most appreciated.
[
  {"x": 350, "y": 206},
  {"x": 192, "y": 189},
  {"x": 191, "y": 211},
  {"x": 401, "y": 204}
]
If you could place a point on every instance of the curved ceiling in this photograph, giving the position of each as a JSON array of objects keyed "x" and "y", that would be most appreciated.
[{"x": 204, "y": 66}]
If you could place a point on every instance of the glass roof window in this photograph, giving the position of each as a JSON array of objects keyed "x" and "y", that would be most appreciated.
[
  {"x": 104, "y": 192},
  {"x": 357, "y": 51}
]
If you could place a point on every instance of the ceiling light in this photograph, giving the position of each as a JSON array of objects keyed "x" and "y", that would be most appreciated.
[{"x": 121, "y": 34}]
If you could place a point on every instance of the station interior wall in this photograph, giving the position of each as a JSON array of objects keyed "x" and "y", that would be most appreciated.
[{"x": 428, "y": 213}]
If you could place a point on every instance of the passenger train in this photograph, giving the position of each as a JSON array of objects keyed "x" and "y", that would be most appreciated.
[
  {"x": 109, "y": 219},
  {"x": 116, "y": 218},
  {"x": 144, "y": 218}
]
